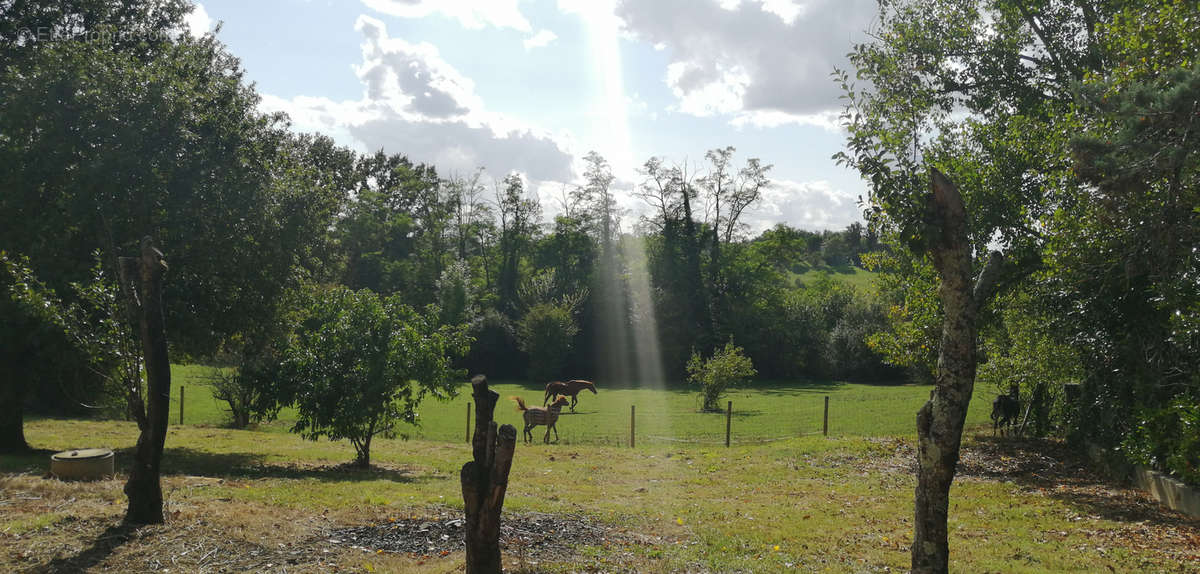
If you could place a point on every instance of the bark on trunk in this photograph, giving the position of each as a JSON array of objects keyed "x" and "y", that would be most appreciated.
[
  {"x": 485, "y": 480},
  {"x": 143, "y": 488},
  {"x": 940, "y": 420},
  {"x": 12, "y": 419}
]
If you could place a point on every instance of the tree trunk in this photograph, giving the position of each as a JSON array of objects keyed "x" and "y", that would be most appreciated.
[
  {"x": 940, "y": 420},
  {"x": 485, "y": 480},
  {"x": 143, "y": 489},
  {"x": 12, "y": 418}
]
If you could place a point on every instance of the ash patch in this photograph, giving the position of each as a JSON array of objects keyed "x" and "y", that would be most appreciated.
[{"x": 551, "y": 536}]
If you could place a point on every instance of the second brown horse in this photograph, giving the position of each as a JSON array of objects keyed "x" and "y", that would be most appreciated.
[{"x": 570, "y": 388}]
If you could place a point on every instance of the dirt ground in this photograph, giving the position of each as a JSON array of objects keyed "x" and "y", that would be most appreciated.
[{"x": 83, "y": 530}]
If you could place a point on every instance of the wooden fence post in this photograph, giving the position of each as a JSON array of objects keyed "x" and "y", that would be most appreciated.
[
  {"x": 485, "y": 480},
  {"x": 632, "y": 411},
  {"x": 728, "y": 422},
  {"x": 180, "y": 404},
  {"x": 825, "y": 426}
]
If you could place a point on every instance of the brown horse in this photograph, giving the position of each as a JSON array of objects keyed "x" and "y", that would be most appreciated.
[{"x": 570, "y": 388}]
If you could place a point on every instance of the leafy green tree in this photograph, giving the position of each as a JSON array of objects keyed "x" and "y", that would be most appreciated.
[
  {"x": 165, "y": 140},
  {"x": 359, "y": 364},
  {"x": 546, "y": 332},
  {"x": 34, "y": 340},
  {"x": 1123, "y": 259},
  {"x": 456, "y": 295},
  {"x": 519, "y": 217},
  {"x": 547, "y": 329},
  {"x": 727, "y": 367},
  {"x": 982, "y": 92}
]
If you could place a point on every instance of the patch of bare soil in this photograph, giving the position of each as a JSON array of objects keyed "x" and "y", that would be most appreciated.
[{"x": 531, "y": 534}]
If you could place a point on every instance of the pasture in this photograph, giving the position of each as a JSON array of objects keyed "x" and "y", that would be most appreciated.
[
  {"x": 264, "y": 500},
  {"x": 762, "y": 411}
]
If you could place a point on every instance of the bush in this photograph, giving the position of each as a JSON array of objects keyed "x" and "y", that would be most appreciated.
[
  {"x": 359, "y": 363},
  {"x": 546, "y": 333},
  {"x": 726, "y": 368},
  {"x": 1168, "y": 439}
]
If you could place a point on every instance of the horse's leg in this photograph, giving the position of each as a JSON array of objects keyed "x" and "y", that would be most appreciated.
[
  {"x": 574, "y": 401},
  {"x": 555, "y": 427}
]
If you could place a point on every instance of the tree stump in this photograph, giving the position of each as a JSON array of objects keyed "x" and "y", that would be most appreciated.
[{"x": 485, "y": 480}]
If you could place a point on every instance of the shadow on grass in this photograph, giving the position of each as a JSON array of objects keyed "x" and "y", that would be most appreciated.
[
  {"x": 1061, "y": 472},
  {"x": 244, "y": 465},
  {"x": 33, "y": 460},
  {"x": 102, "y": 547}
]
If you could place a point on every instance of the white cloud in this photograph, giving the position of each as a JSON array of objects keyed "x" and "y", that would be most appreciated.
[
  {"x": 539, "y": 40},
  {"x": 810, "y": 205},
  {"x": 754, "y": 57},
  {"x": 707, "y": 89},
  {"x": 472, "y": 14},
  {"x": 828, "y": 120},
  {"x": 417, "y": 104},
  {"x": 198, "y": 21}
]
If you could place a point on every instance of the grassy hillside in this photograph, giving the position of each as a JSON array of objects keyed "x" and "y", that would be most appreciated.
[{"x": 856, "y": 276}]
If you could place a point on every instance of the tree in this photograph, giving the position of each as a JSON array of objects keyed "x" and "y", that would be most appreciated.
[
  {"x": 1010, "y": 68},
  {"x": 160, "y": 138},
  {"x": 360, "y": 363},
  {"x": 518, "y": 226},
  {"x": 547, "y": 329},
  {"x": 727, "y": 194},
  {"x": 34, "y": 340},
  {"x": 1123, "y": 259},
  {"x": 142, "y": 287},
  {"x": 727, "y": 367}
]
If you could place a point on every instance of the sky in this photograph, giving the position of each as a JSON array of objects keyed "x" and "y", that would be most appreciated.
[{"x": 533, "y": 86}]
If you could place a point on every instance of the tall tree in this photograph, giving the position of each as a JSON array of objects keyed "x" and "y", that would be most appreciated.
[
  {"x": 168, "y": 143},
  {"x": 728, "y": 192},
  {"x": 1009, "y": 66},
  {"x": 519, "y": 217}
]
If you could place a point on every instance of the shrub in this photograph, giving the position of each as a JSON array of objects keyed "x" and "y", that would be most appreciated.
[
  {"x": 1168, "y": 439},
  {"x": 726, "y": 368},
  {"x": 546, "y": 333},
  {"x": 360, "y": 363}
]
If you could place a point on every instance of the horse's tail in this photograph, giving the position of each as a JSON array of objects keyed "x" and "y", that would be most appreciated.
[{"x": 520, "y": 403}]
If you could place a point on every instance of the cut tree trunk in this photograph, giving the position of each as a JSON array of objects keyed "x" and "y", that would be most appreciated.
[
  {"x": 940, "y": 420},
  {"x": 143, "y": 488},
  {"x": 485, "y": 480}
]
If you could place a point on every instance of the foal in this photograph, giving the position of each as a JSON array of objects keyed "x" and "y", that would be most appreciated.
[{"x": 535, "y": 416}]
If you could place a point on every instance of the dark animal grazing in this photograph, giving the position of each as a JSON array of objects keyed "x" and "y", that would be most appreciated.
[
  {"x": 535, "y": 416},
  {"x": 1005, "y": 411},
  {"x": 570, "y": 388}
]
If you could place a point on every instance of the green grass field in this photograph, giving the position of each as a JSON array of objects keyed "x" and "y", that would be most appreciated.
[
  {"x": 812, "y": 504},
  {"x": 856, "y": 276},
  {"x": 782, "y": 498},
  {"x": 762, "y": 411}
]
